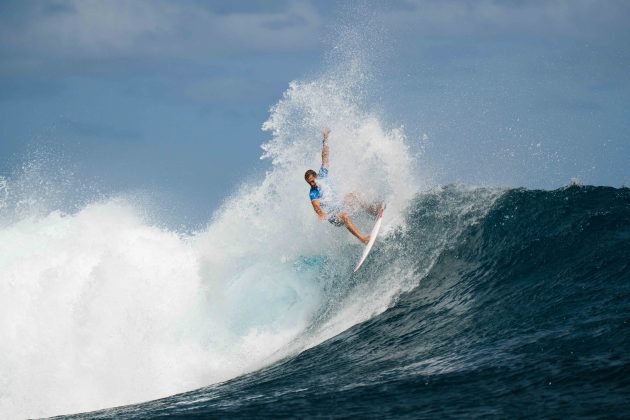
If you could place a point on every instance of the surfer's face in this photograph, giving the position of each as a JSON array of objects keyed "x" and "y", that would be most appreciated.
[{"x": 311, "y": 181}]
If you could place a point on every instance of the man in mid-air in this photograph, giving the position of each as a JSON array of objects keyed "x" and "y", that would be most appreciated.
[{"x": 326, "y": 204}]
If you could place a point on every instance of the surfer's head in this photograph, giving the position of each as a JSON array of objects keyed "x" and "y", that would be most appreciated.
[{"x": 310, "y": 177}]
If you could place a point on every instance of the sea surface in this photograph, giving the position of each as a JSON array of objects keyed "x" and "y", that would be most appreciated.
[
  {"x": 476, "y": 301},
  {"x": 515, "y": 303}
]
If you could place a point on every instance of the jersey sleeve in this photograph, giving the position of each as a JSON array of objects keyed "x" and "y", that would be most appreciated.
[
  {"x": 323, "y": 172},
  {"x": 314, "y": 194}
]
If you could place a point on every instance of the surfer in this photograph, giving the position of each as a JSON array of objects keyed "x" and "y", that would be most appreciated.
[{"x": 325, "y": 203}]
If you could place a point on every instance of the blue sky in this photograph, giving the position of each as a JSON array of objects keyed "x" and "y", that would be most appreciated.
[{"x": 169, "y": 96}]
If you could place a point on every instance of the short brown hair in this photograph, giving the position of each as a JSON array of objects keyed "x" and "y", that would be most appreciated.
[{"x": 308, "y": 173}]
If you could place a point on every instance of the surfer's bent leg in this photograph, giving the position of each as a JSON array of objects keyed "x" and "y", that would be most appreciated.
[{"x": 347, "y": 221}]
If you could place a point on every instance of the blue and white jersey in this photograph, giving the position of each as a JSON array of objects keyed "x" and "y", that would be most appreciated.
[{"x": 323, "y": 192}]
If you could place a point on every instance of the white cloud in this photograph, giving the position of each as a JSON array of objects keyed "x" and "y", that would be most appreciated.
[
  {"x": 93, "y": 29},
  {"x": 106, "y": 29},
  {"x": 535, "y": 17}
]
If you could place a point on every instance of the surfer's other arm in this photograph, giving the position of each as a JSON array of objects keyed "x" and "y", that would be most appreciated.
[{"x": 318, "y": 209}]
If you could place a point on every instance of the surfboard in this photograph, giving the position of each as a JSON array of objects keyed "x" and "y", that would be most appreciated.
[{"x": 373, "y": 234}]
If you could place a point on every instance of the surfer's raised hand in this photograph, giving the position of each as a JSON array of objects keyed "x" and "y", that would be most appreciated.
[
  {"x": 325, "y": 133},
  {"x": 325, "y": 151}
]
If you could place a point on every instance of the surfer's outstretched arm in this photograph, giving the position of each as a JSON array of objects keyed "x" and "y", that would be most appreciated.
[{"x": 325, "y": 150}]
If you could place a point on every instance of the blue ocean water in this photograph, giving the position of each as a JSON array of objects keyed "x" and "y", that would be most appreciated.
[
  {"x": 520, "y": 310},
  {"x": 474, "y": 302}
]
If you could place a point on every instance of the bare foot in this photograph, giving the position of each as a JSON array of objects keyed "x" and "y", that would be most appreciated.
[
  {"x": 365, "y": 239},
  {"x": 375, "y": 208}
]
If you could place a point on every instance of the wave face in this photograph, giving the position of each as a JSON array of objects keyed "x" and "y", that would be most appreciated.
[{"x": 516, "y": 304}]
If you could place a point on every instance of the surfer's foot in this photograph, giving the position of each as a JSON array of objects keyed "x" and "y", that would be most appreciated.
[
  {"x": 375, "y": 208},
  {"x": 365, "y": 239}
]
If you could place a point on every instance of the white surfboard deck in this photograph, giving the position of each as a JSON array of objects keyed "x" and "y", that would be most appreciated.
[{"x": 373, "y": 234}]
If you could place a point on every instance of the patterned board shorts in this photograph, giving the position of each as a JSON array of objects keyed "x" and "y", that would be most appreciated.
[{"x": 333, "y": 214}]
